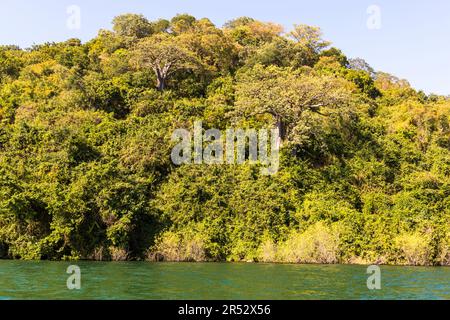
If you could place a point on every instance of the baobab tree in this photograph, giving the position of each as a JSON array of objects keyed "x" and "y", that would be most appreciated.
[
  {"x": 164, "y": 55},
  {"x": 286, "y": 95}
]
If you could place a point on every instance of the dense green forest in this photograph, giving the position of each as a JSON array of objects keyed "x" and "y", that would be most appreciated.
[{"x": 85, "y": 144}]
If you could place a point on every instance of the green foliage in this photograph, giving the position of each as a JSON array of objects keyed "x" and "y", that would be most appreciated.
[
  {"x": 132, "y": 25},
  {"x": 85, "y": 144}
]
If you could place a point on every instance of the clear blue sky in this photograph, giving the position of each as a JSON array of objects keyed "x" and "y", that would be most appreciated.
[{"x": 413, "y": 41}]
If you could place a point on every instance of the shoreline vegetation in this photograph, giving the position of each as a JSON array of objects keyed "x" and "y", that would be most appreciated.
[
  {"x": 319, "y": 244},
  {"x": 85, "y": 150}
]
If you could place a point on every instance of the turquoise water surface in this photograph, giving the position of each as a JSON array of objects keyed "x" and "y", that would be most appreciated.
[{"x": 142, "y": 280}]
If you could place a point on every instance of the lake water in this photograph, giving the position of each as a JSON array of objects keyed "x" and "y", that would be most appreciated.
[{"x": 141, "y": 280}]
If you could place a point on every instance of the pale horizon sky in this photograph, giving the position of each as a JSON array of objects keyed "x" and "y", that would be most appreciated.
[{"x": 413, "y": 42}]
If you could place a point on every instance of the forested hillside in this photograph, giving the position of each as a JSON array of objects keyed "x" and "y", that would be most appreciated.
[{"x": 85, "y": 144}]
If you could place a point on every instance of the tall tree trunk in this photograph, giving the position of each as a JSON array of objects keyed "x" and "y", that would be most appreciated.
[
  {"x": 161, "y": 83},
  {"x": 160, "y": 80}
]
